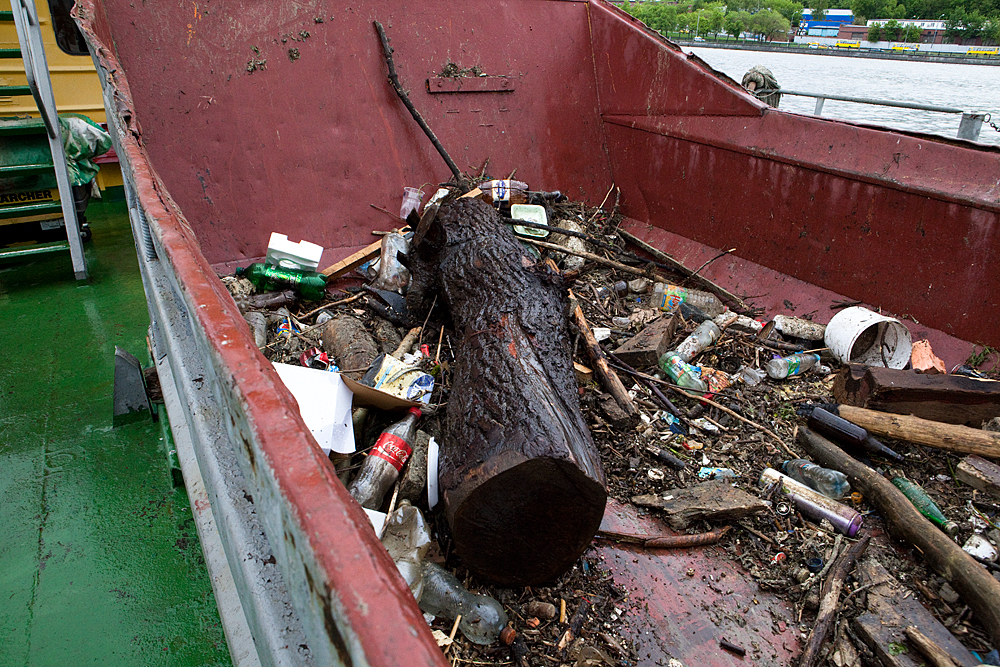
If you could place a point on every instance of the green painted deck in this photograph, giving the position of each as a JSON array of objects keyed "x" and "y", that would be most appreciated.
[{"x": 100, "y": 562}]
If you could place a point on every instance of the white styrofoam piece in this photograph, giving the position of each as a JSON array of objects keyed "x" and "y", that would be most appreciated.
[
  {"x": 324, "y": 403},
  {"x": 432, "y": 472},
  {"x": 302, "y": 256}
]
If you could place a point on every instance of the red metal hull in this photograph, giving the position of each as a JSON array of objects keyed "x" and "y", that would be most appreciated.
[{"x": 219, "y": 157}]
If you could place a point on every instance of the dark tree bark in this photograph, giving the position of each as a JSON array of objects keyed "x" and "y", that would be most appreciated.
[{"x": 520, "y": 477}]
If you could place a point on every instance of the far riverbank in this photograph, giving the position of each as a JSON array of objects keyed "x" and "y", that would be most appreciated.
[{"x": 784, "y": 47}]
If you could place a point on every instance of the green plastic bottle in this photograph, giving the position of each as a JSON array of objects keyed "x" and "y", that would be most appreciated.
[
  {"x": 923, "y": 502},
  {"x": 267, "y": 278}
]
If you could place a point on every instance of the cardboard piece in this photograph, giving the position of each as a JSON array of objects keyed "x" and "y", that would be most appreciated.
[
  {"x": 324, "y": 403},
  {"x": 367, "y": 396}
]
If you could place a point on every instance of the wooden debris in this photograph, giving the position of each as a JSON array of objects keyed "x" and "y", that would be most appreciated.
[
  {"x": 890, "y": 611},
  {"x": 575, "y": 625},
  {"x": 923, "y": 359},
  {"x": 952, "y": 399},
  {"x": 667, "y": 541},
  {"x": 979, "y": 474},
  {"x": 714, "y": 500},
  {"x": 646, "y": 347},
  {"x": 977, "y": 587},
  {"x": 937, "y": 655},
  {"x": 829, "y": 601},
  {"x": 609, "y": 378},
  {"x": 352, "y": 347},
  {"x": 583, "y": 374},
  {"x": 950, "y": 437}
]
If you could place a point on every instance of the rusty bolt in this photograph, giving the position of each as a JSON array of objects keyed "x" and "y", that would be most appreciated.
[
  {"x": 544, "y": 610},
  {"x": 507, "y": 635}
]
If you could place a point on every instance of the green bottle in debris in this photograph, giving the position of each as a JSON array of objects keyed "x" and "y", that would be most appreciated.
[
  {"x": 267, "y": 278},
  {"x": 923, "y": 502}
]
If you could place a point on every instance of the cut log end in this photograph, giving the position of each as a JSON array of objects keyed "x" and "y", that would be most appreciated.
[{"x": 528, "y": 524}]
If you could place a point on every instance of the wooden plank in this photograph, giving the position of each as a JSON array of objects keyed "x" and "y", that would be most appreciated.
[
  {"x": 980, "y": 474},
  {"x": 890, "y": 612},
  {"x": 646, "y": 347},
  {"x": 952, "y": 399},
  {"x": 352, "y": 262},
  {"x": 715, "y": 500}
]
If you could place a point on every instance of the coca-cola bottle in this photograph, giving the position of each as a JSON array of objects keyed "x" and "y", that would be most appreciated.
[{"x": 385, "y": 461}]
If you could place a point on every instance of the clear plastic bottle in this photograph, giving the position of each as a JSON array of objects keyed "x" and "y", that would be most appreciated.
[
  {"x": 682, "y": 373},
  {"x": 307, "y": 284},
  {"x": 385, "y": 461},
  {"x": 707, "y": 333},
  {"x": 796, "y": 364},
  {"x": 925, "y": 505},
  {"x": 831, "y": 483},
  {"x": 668, "y": 297},
  {"x": 392, "y": 275},
  {"x": 406, "y": 537},
  {"x": 444, "y": 595}
]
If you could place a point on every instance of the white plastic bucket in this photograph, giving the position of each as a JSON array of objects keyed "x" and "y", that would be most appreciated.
[{"x": 857, "y": 335}]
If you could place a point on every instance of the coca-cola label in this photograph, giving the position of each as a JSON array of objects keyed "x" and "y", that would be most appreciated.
[{"x": 393, "y": 449}]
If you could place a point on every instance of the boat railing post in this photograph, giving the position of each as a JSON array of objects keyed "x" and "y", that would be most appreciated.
[
  {"x": 820, "y": 101},
  {"x": 970, "y": 126}
]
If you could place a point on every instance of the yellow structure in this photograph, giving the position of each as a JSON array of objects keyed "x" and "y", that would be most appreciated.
[{"x": 74, "y": 83}]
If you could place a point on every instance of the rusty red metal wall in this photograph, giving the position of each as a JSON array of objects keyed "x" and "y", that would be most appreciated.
[
  {"x": 906, "y": 222},
  {"x": 306, "y": 147}
]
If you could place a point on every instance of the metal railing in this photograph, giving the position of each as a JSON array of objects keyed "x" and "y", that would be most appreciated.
[{"x": 968, "y": 127}]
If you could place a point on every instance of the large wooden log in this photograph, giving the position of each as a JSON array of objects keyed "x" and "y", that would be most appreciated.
[
  {"x": 521, "y": 480},
  {"x": 973, "y": 582},
  {"x": 953, "y": 399}
]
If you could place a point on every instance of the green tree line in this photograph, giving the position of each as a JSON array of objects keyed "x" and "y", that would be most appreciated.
[{"x": 965, "y": 20}]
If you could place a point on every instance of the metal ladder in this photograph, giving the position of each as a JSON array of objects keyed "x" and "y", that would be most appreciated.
[{"x": 29, "y": 35}]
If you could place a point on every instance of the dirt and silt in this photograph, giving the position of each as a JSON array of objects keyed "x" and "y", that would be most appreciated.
[{"x": 768, "y": 551}]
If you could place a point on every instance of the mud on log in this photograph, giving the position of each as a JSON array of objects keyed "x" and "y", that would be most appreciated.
[{"x": 521, "y": 479}]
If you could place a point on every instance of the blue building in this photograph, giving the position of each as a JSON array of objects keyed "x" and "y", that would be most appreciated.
[{"x": 828, "y": 26}]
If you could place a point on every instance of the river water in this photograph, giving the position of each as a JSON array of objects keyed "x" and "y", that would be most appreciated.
[{"x": 973, "y": 88}]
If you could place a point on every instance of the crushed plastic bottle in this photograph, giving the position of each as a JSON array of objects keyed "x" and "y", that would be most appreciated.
[
  {"x": 796, "y": 364},
  {"x": 444, "y": 595},
  {"x": 682, "y": 373},
  {"x": 668, "y": 297},
  {"x": 406, "y": 537},
  {"x": 411, "y": 201},
  {"x": 392, "y": 275},
  {"x": 702, "y": 337},
  {"x": 831, "y": 483},
  {"x": 266, "y": 278}
]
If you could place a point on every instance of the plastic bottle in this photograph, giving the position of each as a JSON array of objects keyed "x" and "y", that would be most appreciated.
[
  {"x": 838, "y": 428},
  {"x": 668, "y": 297},
  {"x": 682, "y": 373},
  {"x": 795, "y": 364},
  {"x": 443, "y": 595},
  {"x": 504, "y": 192},
  {"x": 703, "y": 336},
  {"x": 385, "y": 461},
  {"x": 392, "y": 275},
  {"x": 307, "y": 284},
  {"x": 406, "y": 537},
  {"x": 814, "y": 504},
  {"x": 411, "y": 201},
  {"x": 927, "y": 507},
  {"x": 831, "y": 483},
  {"x": 797, "y": 327}
]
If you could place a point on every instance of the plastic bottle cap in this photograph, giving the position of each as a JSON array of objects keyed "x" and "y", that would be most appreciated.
[
  {"x": 240, "y": 270},
  {"x": 416, "y": 411},
  {"x": 814, "y": 565}
]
